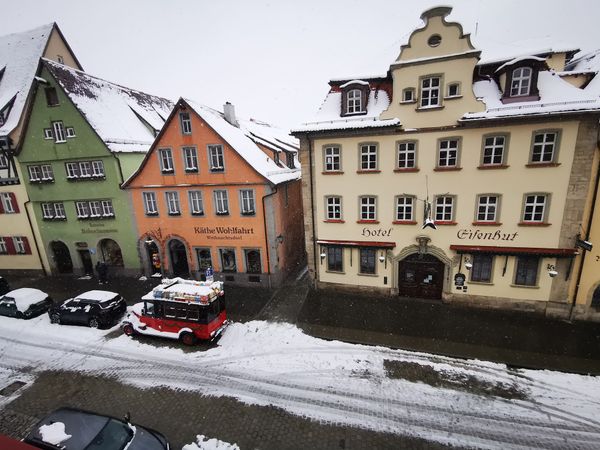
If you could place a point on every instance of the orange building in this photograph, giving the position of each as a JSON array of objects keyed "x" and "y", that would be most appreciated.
[{"x": 220, "y": 192}]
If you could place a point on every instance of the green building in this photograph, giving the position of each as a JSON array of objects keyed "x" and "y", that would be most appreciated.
[{"x": 84, "y": 137}]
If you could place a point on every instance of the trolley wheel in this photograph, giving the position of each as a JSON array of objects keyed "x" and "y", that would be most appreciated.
[
  {"x": 128, "y": 329},
  {"x": 188, "y": 338}
]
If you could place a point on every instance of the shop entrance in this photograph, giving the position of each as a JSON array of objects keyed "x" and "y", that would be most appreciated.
[
  {"x": 62, "y": 257},
  {"x": 179, "y": 262},
  {"x": 420, "y": 276},
  {"x": 110, "y": 253},
  {"x": 153, "y": 257},
  {"x": 86, "y": 261}
]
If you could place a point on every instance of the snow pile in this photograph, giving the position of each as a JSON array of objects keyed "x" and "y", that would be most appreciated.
[
  {"x": 203, "y": 443},
  {"x": 54, "y": 434}
]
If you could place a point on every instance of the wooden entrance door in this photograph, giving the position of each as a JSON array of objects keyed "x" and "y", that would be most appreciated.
[{"x": 420, "y": 276}]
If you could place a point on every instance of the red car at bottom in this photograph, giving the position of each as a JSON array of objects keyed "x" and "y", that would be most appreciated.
[{"x": 181, "y": 309}]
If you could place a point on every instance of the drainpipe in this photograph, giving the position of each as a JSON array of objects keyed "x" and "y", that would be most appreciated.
[
  {"x": 37, "y": 247},
  {"x": 587, "y": 231},
  {"x": 312, "y": 203},
  {"x": 266, "y": 232}
]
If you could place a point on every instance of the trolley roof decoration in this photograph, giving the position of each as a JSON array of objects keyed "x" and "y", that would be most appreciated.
[{"x": 190, "y": 291}]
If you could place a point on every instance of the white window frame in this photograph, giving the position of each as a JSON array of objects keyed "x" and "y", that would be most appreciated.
[
  {"x": 47, "y": 172},
  {"x": 98, "y": 169},
  {"x": 368, "y": 207},
  {"x": 332, "y": 155},
  {"x": 535, "y": 208},
  {"x": 448, "y": 152},
  {"x": 520, "y": 85},
  {"x": 173, "y": 205},
  {"x": 59, "y": 210},
  {"x": 19, "y": 244},
  {"x": 405, "y": 208},
  {"x": 493, "y": 148},
  {"x": 428, "y": 90},
  {"x": 190, "y": 159},
  {"x": 3, "y": 246},
  {"x": 85, "y": 169},
  {"x": 59, "y": 132},
  {"x": 70, "y": 132},
  {"x": 7, "y": 203},
  {"x": 48, "y": 134},
  {"x": 196, "y": 203},
  {"x": 48, "y": 211},
  {"x": 221, "y": 202},
  {"x": 545, "y": 147},
  {"x": 368, "y": 156},
  {"x": 404, "y": 151},
  {"x": 216, "y": 157},
  {"x": 165, "y": 158},
  {"x": 82, "y": 209},
  {"x": 444, "y": 208},
  {"x": 37, "y": 176},
  {"x": 72, "y": 169},
  {"x": 354, "y": 101},
  {"x": 408, "y": 95},
  {"x": 487, "y": 208},
  {"x": 247, "y": 202},
  {"x": 450, "y": 86},
  {"x": 107, "y": 208},
  {"x": 333, "y": 207},
  {"x": 185, "y": 122},
  {"x": 95, "y": 208},
  {"x": 150, "y": 203}
]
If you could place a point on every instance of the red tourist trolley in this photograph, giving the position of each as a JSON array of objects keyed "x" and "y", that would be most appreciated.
[{"x": 180, "y": 309}]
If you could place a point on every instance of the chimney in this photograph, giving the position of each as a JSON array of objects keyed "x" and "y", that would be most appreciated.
[{"x": 229, "y": 112}]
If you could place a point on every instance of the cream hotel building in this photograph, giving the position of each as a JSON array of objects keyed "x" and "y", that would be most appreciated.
[{"x": 459, "y": 176}]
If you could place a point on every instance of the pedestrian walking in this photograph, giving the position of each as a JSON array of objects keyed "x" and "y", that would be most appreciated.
[{"x": 102, "y": 270}]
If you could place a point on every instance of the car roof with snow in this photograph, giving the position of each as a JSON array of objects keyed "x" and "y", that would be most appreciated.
[
  {"x": 177, "y": 288},
  {"x": 97, "y": 296},
  {"x": 25, "y": 297}
]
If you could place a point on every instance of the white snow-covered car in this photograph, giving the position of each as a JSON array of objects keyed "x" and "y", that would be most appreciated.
[{"x": 25, "y": 303}]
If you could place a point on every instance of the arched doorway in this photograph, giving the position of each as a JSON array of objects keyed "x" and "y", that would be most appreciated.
[
  {"x": 152, "y": 257},
  {"x": 110, "y": 252},
  {"x": 62, "y": 257},
  {"x": 420, "y": 276},
  {"x": 179, "y": 261},
  {"x": 596, "y": 298}
]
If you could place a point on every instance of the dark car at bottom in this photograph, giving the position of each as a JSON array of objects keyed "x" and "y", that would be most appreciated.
[
  {"x": 96, "y": 309},
  {"x": 90, "y": 431}
]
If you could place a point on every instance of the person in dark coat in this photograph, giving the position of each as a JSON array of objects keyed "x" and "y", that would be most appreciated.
[{"x": 102, "y": 270}]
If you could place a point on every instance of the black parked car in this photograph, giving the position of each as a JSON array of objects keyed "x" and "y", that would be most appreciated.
[
  {"x": 4, "y": 287},
  {"x": 92, "y": 431},
  {"x": 93, "y": 308},
  {"x": 24, "y": 303}
]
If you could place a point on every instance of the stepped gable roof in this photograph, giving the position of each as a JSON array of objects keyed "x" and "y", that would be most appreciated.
[
  {"x": 20, "y": 54},
  {"x": 127, "y": 120},
  {"x": 246, "y": 138}
]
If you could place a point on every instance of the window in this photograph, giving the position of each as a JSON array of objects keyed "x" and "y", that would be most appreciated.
[
  {"x": 204, "y": 259},
  {"x": 51, "y": 96},
  {"x": 289, "y": 160},
  {"x": 85, "y": 169},
  {"x": 165, "y": 157},
  {"x": 354, "y": 101},
  {"x": 535, "y": 208},
  {"x": 48, "y": 133},
  {"x": 368, "y": 157},
  {"x": 404, "y": 209},
  {"x": 98, "y": 169},
  {"x": 215, "y": 157},
  {"x": 173, "y": 203},
  {"x": 448, "y": 153},
  {"x": 333, "y": 207},
  {"x": 107, "y": 209},
  {"x": 453, "y": 90},
  {"x": 196, "y": 206},
  {"x": 70, "y": 132},
  {"x": 150, "y": 204},
  {"x": 335, "y": 259},
  {"x": 72, "y": 170},
  {"x": 59, "y": 132},
  {"x": 59, "y": 211},
  {"x": 367, "y": 260},
  {"x": 3, "y": 161},
  {"x": 408, "y": 95},
  {"x": 482, "y": 268},
  {"x": 8, "y": 203},
  {"x": 407, "y": 155},
  {"x": 368, "y": 209},
  {"x": 185, "y": 122},
  {"x": 221, "y": 203},
  {"x": 83, "y": 210},
  {"x": 332, "y": 159},
  {"x": 544, "y": 146},
  {"x": 487, "y": 208},
  {"x": 247, "y": 202},
  {"x": 47, "y": 211},
  {"x": 430, "y": 92},
  {"x": 434, "y": 40},
  {"x": 3, "y": 246},
  {"x": 521, "y": 82},
  {"x": 253, "y": 264},
  {"x": 35, "y": 173},
  {"x": 60, "y": 59},
  {"x": 493, "y": 150},
  {"x": 47, "y": 172},
  {"x": 190, "y": 159},
  {"x": 19, "y": 243},
  {"x": 228, "y": 260},
  {"x": 444, "y": 208},
  {"x": 95, "y": 209},
  {"x": 527, "y": 270}
]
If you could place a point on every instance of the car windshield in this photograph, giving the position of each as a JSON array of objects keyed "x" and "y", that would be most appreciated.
[{"x": 114, "y": 436}]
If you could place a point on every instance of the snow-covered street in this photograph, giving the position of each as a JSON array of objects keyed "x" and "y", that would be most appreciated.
[{"x": 466, "y": 403}]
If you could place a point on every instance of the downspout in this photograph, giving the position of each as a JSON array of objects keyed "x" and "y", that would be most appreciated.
[
  {"x": 312, "y": 202},
  {"x": 37, "y": 247},
  {"x": 587, "y": 232},
  {"x": 266, "y": 232}
]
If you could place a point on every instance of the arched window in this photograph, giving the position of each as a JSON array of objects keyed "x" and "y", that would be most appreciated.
[
  {"x": 521, "y": 82},
  {"x": 354, "y": 101}
]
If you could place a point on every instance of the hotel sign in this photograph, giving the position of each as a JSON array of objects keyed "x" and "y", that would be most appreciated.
[
  {"x": 497, "y": 235},
  {"x": 231, "y": 233}
]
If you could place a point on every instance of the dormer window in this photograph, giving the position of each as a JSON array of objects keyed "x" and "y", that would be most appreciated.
[
  {"x": 521, "y": 82},
  {"x": 354, "y": 97},
  {"x": 354, "y": 101}
]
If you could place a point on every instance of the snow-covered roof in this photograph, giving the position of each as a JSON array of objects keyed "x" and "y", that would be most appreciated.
[
  {"x": 20, "y": 54},
  {"x": 494, "y": 53},
  {"x": 519, "y": 59},
  {"x": 328, "y": 117},
  {"x": 96, "y": 295},
  {"x": 127, "y": 120},
  {"x": 25, "y": 297},
  {"x": 556, "y": 96},
  {"x": 244, "y": 140}
]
